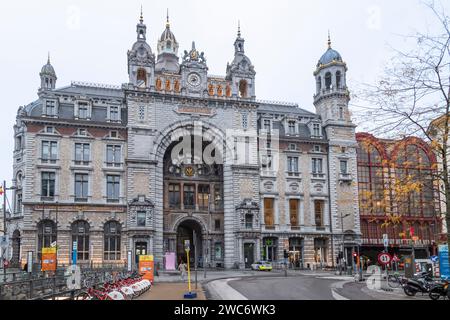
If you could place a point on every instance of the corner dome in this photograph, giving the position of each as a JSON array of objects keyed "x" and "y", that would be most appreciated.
[
  {"x": 48, "y": 70},
  {"x": 329, "y": 56}
]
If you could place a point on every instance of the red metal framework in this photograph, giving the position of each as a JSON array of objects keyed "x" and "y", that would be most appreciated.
[{"x": 378, "y": 172}]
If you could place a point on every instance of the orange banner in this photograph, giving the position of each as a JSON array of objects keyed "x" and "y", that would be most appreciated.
[
  {"x": 48, "y": 259},
  {"x": 146, "y": 265}
]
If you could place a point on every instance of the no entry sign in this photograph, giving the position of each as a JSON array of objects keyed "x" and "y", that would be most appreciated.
[{"x": 384, "y": 258}]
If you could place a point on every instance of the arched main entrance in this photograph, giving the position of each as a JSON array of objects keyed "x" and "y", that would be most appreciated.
[
  {"x": 192, "y": 231},
  {"x": 193, "y": 196}
]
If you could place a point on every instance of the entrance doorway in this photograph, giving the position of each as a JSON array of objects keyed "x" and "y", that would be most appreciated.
[
  {"x": 140, "y": 248},
  {"x": 190, "y": 230},
  {"x": 249, "y": 254}
]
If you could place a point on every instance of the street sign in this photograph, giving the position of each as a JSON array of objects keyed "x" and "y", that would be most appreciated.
[
  {"x": 434, "y": 258},
  {"x": 384, "y": 258},
  {"x": 53, "y": 244},
  {"x": 443, "y": 260}
]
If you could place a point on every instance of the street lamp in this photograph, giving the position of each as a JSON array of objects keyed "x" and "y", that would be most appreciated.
[
  {"x": 4, "y": 225},
  {"x": 343, "y": 248}
]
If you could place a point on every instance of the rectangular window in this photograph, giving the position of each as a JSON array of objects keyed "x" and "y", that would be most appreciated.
[
  {"x": 317, "y": 148},
  {"x": 316, "y": 165},
  {"x": 293, "y": 164},
  {"x": 189, "y": 196},
  {"x": 203, "y": 197},
  {"x": 82, "y": 153},
  {"x": 291, "y": 127},
  {"x": 316, "y": 130},
  {"x": 248, "y": 221},
  {"x": 266, "y": 161},
  {"x": 49, "y": 151},
  {"x": 141, "y": 217},
  {"x": 113, "y": 156},
  {"x": 113, "y": 188},
  {"x": 343, "y": 166},
  {"x": 293, "y": 212},
  {"x": 82, "y": 110},
  {"x": 18, "y": 143},
  {"x": 174, "y": 196},
  {"x": 114, "y": 113},
  {"x": 50, "y": 108},
  {"x": 48, "y": 184},
  {"x": 217, "y": 224},
  {"x": 81, "y": 187},
  {"x": 218, "y": 197},
  {"x": 268, "y": 212},
  {"x": 49, "y": 129},
  {"x": 318, "y": 213}
]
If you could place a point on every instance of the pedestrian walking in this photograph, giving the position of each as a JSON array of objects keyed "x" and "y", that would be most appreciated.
[{"x": 182, "y": 269}]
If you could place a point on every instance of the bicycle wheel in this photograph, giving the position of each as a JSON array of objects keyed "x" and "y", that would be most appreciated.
[
  {"x": 393, "y": 281},
  {"x": 82, "y": 296}
]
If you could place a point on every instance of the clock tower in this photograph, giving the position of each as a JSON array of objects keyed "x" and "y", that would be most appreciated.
[{"x": 194, "y": 73}]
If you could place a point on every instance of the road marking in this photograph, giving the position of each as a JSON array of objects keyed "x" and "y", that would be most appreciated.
[
  {"x": 338, "y": 285},
  {"x": 223, "y": 290}
]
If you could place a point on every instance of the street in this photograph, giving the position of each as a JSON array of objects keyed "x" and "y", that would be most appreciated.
[{"x": 300, "y": 287}]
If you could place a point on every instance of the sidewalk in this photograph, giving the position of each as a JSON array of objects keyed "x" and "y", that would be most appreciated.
[{"x": 172, "y": 291}]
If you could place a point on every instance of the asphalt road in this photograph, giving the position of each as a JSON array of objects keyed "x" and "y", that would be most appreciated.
[{"x": 296, "y": 288}]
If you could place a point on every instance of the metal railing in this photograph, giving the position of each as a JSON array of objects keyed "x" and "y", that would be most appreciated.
[{"x": 51, "y": 285}]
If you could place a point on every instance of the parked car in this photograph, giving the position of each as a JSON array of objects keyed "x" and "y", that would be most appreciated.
[{"x": 262, "y": 266}]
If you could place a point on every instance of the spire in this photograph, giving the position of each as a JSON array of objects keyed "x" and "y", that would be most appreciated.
[
  {"x": 141, "y": 19},
  {"x": 167, "y": 19},
  {"x": 48, "y": 59},
  {"x": 239, "y": 29},
  {"x": 329, "y": 40}
]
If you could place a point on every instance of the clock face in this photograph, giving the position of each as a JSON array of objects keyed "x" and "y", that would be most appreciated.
[{"x": 194, "y": 79}]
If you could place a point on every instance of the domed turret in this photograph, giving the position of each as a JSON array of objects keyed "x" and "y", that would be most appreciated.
[
  {"x": 48, "y": 76},
  {"x": 167, "y": 51}
]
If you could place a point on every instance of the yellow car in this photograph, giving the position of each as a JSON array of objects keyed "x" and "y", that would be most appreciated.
[{"x": 262, "y": 266}]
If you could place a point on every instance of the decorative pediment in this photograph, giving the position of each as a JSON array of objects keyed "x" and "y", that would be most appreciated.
[
  {"x": 248, "y": 204},
  {"x": 141, "y": 200}
]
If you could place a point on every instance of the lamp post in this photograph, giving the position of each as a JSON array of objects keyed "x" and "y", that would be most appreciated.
[
  {"x": 343, "y": 247},
  {"x": 4, "y": 225}
]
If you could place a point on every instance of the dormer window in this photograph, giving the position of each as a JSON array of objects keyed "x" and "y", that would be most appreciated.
[
  {"x": 316, "y": 130},
  {"x": 114, "y": 113},
  {"x": 291, "y": 127},
  {"x": 50, "y": 108},
  {"x": 83, "y": 110}
]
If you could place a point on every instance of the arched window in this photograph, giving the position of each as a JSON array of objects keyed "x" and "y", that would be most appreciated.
[
  {"x": 168, "y": 45},
  {"x": 228, "y": 91},
  {"x": 15, "y": 249},
  {"x": 142, "y": 75},
  {"x": 80, "y": 234},
  {"x": 319, "y": 84},
  {"x": 370, "y": 180},
  {"x": 243, "y": 89},
  {"x": 338, "y": 79},
  {"x": 328, "y": 80},
  {"x": 112, "y": 232},
  {"x": 412, "y": 165},
  {"x": 46, "y": 235}
]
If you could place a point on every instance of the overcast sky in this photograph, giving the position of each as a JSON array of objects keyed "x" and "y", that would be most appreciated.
[{"x": 88, "y": 41}]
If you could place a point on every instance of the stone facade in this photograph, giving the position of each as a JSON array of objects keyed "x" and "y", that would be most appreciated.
[{"x": 104, "y": 155}]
